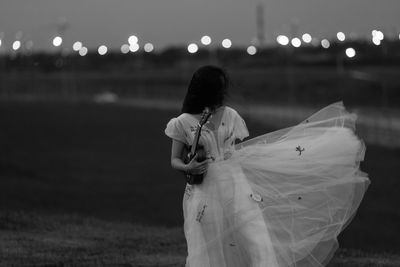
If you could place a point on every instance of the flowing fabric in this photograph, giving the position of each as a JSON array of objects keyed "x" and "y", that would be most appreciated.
[{"x": 279, "y": 199}]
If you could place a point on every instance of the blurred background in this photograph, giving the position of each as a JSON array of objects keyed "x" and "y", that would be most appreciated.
[{"x": 87, "y": 87}]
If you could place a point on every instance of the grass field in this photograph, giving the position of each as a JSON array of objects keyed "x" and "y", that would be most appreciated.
[
  {"x": 73, "y": 169},
  {"x": 74, "y": 240}
]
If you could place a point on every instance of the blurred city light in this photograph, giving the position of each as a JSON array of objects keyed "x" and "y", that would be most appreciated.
[
  {"x": 206, "y": 40},
  {"x": 378, "y": 34},
  {"x": 251, "y": 50},
  {"x": 134, "y": 47},
  {"x": 125, "y": 49},
  {"x": 83, "y": 51},
  {"x": 296, "y": 42},
  {"x": 148, "y": 47},
  {"x": 377, "y": 37},
  {"x": 57, "y": 41},
  {"x": 16, "y": 45},
  {"x": 133, "y": 39},
  {"x": 226, "y": 43},
  {"x": 341, "y": 36},
  {"x": 192, "y": 48},
  {"x": 350, "y": 52},
  {"x": 306, "y": 38},
  {"x": 102, "y": 50},
  {"x": 376, "y": 41},
  {"x": 77, "y": 46},
  {"x": 282, "y": 40},
  {"x": 325, "y": 43}
]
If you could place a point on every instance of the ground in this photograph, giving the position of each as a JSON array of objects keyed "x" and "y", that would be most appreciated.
[
  {"x": 83, "y": 184},
  {"x": 29, "y": 239}
]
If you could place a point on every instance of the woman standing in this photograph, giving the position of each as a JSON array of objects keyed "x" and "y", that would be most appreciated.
[{"x": 279, "y": 199}]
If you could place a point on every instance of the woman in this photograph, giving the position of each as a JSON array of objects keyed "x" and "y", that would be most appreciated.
[{"x": 279, "y": 199}]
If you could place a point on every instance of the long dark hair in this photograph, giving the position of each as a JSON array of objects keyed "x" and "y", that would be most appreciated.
[{"x": 207, "y": 88}]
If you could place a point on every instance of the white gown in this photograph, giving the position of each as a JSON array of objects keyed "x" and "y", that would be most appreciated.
[{"x": 279, "y": 199}]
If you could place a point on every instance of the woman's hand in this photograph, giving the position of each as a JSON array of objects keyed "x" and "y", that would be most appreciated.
[{"x": 195, "y": 167}]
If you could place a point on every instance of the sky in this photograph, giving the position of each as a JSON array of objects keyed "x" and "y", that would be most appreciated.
[{"x": 180, "y": 22}]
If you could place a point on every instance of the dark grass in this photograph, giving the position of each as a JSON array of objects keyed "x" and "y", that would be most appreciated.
[
  {"x": 112, "y": 163},
  {"x": 29, "y": 239},
  {"x": 107, "y": 161}
]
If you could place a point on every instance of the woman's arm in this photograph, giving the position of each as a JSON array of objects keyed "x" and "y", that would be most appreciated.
[{"x": 177, "y": 163}]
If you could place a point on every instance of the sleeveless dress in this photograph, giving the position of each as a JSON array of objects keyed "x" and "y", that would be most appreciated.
[{"x": 279, "y": 199}]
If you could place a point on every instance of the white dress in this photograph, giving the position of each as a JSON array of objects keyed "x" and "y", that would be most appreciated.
[{"x": 279, "y": 199}]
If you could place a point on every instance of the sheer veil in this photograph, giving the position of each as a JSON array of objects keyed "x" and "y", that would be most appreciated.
[{"x": 309, "y": 180}]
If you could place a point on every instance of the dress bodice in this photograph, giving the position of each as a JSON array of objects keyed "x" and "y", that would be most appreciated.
[{"x": 218, "y": 143}]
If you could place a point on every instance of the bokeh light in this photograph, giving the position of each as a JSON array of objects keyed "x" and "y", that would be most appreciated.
[
  {"x": 350, "y": 52},
  {"x": 134, "y": 47},
  {"x": 83, "y": 51},
  {"x": 125, "y": 49},
  {"x": 376, "y": 41},
  {"x": 377, "y": 37},
  {"x": 325, "y": 43},
  {"x": 57, "y": 41},
  {"x": 296, "y": 42},
  {"x": 192, "y": 48},
  {"x": 341, "y": 36},
  {"x": 282, "y": 40},
  {"x": 148, "y": 47},
  {"x": 251, "y": 50},
  {"x": 16, "y": 45},
  {"x": 133, "y": 39},
  {"x": 226, "y": 43},
  {"x": 77, "y": 46},
  {"x": 306, "y": 38},
  {"x": 1, "y": 42},
  {"x": 206, "y": 40},
  {"x": 102, "y": 50}
]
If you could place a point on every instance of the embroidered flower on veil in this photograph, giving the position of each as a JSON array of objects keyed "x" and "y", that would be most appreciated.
[{"x": 300, "y": 149}]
